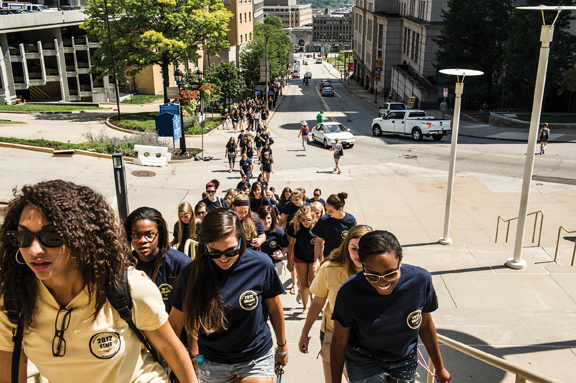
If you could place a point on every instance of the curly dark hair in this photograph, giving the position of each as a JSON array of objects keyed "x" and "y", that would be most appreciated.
[{"x": 88, "y": 227}]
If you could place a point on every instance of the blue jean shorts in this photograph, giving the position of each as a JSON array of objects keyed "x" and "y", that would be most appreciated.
[
  {"x": 364, "y": 368},
  {"x": 261, "y": 367}
]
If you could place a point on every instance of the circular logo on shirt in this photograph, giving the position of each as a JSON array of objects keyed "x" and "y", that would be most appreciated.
[
  {"x": 414, "y": 319},
  {"x": 105, "y": 345},
  {"x": 165, "y": 290},
  {"x": 249, "y": 300},
  {"x": 273, "y": 244},
  {"x": 344, "y": 234},
  {"x": 313, "y": 241}
]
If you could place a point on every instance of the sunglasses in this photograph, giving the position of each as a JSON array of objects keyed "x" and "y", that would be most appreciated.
[
  {"x": 210, "y": 191},
  {"x": 227, "y": 253},
  {"x": 374, "y": 278},
  {"x": 23, "y": 239},
  {"x": 316, "y": 195},
  {"x": 201, "y": 213}
]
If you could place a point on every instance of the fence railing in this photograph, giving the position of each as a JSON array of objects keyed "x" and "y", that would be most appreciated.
[
  {"x": 558, "y": 243},
  {"x": 512, "y": 219},
  {"x": 522, "y": 374}
]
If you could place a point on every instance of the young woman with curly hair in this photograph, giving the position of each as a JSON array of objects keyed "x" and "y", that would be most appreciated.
[
  {"x": 332, "y": 227},
  {"x": 301, "y": 251},
  {"x": 64, "y": 254},
  {"x": 223, "y": 299},
  {"x": 342, "y": 263}
]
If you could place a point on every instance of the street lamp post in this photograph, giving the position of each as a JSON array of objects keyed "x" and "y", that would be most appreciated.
[
  {"x": 203, "y": 123},
  {"x": 546, "y": 34},
  {"x": 268, "y": 66},
  {"x": 445, "y": 240},
  {"x": 229, "y": 76},
  {"x": 113, "y": 61},
  {"x": 178, "y": 76}
]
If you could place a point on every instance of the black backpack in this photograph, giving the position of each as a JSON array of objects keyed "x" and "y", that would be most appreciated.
[{"x": 120, "y": 299}]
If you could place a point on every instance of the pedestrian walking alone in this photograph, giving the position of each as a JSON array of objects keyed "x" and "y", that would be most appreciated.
[
  {"x": 304, "y": 132},
  {"x": 231, "y": 153},
  {"x": 544, "y": 135},
  {"x": 320, "y": 117},
  {"x": 338, "y": 150}
]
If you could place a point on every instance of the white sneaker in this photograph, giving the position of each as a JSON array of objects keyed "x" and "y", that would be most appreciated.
[{"x": 298, "y": 298}]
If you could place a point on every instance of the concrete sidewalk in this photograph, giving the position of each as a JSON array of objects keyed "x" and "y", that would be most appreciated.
[
  {"x": 524, "y": 316},
  {"x": 469, "y": 126}
]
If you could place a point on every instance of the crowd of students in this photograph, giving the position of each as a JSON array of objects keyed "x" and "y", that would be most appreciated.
[{"x": 209, "y": 290}]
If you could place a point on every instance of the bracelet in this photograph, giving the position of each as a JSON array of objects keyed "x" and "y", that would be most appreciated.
[
  {"x": 281, "y": 353},
  {"x": 281, "y": 345}
]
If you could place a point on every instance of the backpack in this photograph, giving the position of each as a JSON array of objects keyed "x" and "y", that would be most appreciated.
[
  {"x": 305, "y": 130},
  {"x": 544, "y": 135},
  {"x": 120, "y": 299}
]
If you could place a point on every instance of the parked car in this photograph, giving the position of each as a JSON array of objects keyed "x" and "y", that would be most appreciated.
[
  {"x": 413, "y": 122},
  {"x": 327, "y": 132},
  {"x": 327, "y": 91},
  {"x": 391, "y": 106}
]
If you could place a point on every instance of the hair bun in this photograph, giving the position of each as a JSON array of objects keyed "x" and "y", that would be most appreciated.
[{"x": 342, "y": 195}]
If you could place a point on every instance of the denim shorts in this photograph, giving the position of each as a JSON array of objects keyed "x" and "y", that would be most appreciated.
[
  {"x": 363, "y": 368},
  {"x": 261, "y": 367}
]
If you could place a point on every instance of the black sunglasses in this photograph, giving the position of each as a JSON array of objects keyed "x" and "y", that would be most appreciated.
[
  {"x": 227, "y": 253},
  {"x": 25, "y": 238}
]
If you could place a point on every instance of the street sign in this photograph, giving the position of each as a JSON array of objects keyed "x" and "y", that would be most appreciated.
[
  {"x": 172, "y": 92},
  {"x": 379, "y": 64},
  {"x": 170, "y": 107},
  {"x": 195, "y": 86},
  {"x": 377, "y": 76},
  {"x": 445, "y": 92},
  {"x": 351, "y": 66},
  {"x": 378, "y": 70},
  {"x": 169, "y": 125}
]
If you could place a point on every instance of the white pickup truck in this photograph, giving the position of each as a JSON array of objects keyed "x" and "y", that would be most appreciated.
[{"x": 413, "y": 122}]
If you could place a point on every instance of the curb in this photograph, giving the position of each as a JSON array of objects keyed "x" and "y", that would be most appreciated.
[
  {"x": 51, "y": 151},
  {"x": 136, "y": 132}
]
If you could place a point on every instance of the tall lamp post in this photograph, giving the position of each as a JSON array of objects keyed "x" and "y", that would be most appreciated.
[
  {"x": 178, "y": 76},
  {"x": 203, "y": 123},
  {"x": 546, "y": 34},
  {"x": 268, "y": 65},
  {"x": 229, "y": 77},
  {"x": 445, "y": 240},
  {"x": 112, "y": 55}
]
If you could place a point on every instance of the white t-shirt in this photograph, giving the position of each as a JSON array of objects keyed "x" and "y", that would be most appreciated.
[{"x": 104, "y": 350}]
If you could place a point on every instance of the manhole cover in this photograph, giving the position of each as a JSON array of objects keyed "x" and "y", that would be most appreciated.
[
  {"x": 62, "y": 155},
  {"x": 143, "y": 173}
]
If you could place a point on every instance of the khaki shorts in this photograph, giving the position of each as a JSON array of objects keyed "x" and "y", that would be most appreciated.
[{"x": 325, "y": 341}]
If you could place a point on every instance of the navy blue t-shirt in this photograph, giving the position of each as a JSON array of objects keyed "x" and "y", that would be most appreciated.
[
  {"x": 241, "y": 185},
  {"x": 386, "y": 326},
  {"x": 290, "y": 210},
  {"x": 185, "y": 235},
  {"x": 333, "y": 231},
  {"x": 257, "y": 224},
  {"x": 220, "y": 202},
  {"x": 245, "y": 165},
  {"x": 310, "y": 200},
  {"x": 243, "y": 289},
  {"x": 197, "y": 234},
  {"x": 304, "y": 246},
  {"x": 249, "y": 151},
  {"x": 256, "y": 203},
  {"x": 275, "y": 240},
  {"x": 171, "y": 266},
  {"x": 267, "y": 164}
]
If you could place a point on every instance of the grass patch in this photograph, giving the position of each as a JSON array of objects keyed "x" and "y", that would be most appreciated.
[
  {"x": 47, "y": 108},
  {"x": 561, "y": 119},
  {"x": 9, "y": 122},
  {"x": 196, "y": 128},
  {"x": 143, "y": 99},
  {"x": 140, "y": 122}
]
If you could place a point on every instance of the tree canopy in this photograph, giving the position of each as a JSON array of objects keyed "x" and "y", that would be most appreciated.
[
  {"x": 273, "y": 20},
  {"x": 321, "y": 4},
  {"x": 255, "y": 51},
  {"x": 160, "y": 32},
  {"x": 230, "y": 85}
]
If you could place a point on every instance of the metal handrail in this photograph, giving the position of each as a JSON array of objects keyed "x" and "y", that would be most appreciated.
[
  {"x": 523, "y": 375},
  {"x": 558, "y": 243},
  {"x": 512, "y": 219}
]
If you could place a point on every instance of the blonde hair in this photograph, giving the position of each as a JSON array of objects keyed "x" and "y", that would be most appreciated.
[
  {"x": 186, "y": 208},
  {"x": 248, "y": 222},
  {"x": 341, "y": 255},
  {"x": 303, "y": 191},
  {"x": 306, "y": 209},
  {"x": 317, "y": 206}
]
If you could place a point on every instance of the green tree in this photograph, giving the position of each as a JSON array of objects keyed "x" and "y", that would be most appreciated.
[
  {"x": 474, "y": 35},
  {"x": 229, "y": 86},
  {"x": 523, "y": 51},
  {"x": 255, "y": 51},
  {"x": 151, "y": 32},
  {"x": 273, "y": 20}
]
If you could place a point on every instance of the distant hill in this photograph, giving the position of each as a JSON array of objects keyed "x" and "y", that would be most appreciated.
[{"x": 321, "y": 4}]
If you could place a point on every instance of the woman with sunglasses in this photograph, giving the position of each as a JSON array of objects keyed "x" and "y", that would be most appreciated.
[
  {"x": 316, "y": 197},
  {"x": 332, "y": 227},
  {"x": 231, "y": 341},
  {"x": 64, "y": 254},
  {"x": 212, "y": 201},
  {"x": 301, "y": 251},
  {"x": 335, "y": 270},
  {"x": 399, "y": 299}
]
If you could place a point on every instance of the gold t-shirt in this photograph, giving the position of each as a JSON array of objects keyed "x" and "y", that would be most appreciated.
[
  {"x": 326, "y": 283},
  {"x": 104, "y": 350}
]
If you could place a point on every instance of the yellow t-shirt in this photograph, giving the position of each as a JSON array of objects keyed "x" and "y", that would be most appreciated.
[
  {"x": 101, "y": 351},
  {"x": 326, "y": 283}
]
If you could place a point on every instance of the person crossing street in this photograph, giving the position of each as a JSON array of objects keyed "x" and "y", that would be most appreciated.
[{"x": 304, "y": 132}]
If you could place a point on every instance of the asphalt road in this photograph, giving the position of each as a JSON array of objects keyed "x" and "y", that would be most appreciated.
[{"x": 489, "y": 156}]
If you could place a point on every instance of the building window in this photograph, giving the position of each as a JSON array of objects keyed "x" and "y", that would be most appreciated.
[
  {"x": 406, "y": 38},
  {"x": 250, "y": 36},
  {"x": 412, "y": 47},
  {"x": 417, "y": 48},
  {"x": 379, "y": 54},
  {"x": 413, "y": 8},
  {"x": 380, "y": 35},
  {"x": 240, "y": 19},
  {"x": 245, "y": 18},
  {"x": 250, "y": 16},
  {"x": 422, "y": 10},
  {"x": 241, "y": 39}
]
